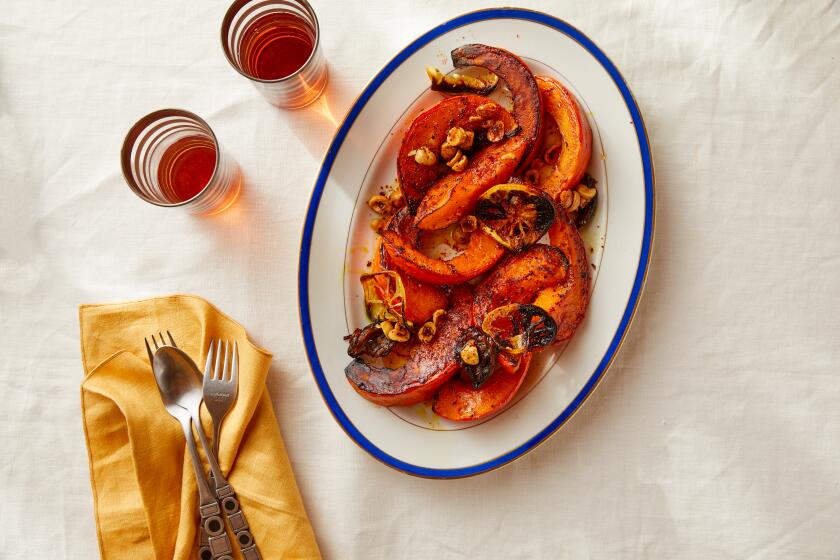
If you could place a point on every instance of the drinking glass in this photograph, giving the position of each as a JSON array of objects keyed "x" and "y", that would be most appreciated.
[
  {"x": 276, "y": 45},
  {"x": 172, "y": 158}
]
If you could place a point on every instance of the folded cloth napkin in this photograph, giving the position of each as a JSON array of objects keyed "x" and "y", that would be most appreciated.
[{"x": 144, "y": 491}]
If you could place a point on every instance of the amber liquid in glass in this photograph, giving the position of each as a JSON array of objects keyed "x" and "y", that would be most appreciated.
[
  {"x": 275, "y": 46},
  {"x": 186, "y": 167}
]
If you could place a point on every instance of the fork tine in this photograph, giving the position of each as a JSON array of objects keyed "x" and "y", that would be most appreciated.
[
  {"x": 149, "y": 350},
  {"x": 155, "y": 341},
  {"x": 216, "y": 372},
  {"x": 171, "y": 340},
  {"x": 234, "y": 368},
  {"x": 226, "y": 368},
  {"x": 208, "y": 364}
]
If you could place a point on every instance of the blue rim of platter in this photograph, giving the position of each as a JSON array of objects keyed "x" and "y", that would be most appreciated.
[{"x": 326, "y": 166}]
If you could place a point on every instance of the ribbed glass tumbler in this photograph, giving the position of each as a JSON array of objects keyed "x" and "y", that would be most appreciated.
[
  {"x": 172, "y": 158},
  {"x": 276, "y": 45}
]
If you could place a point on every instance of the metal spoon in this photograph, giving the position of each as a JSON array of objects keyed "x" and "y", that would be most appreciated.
[
  {"x": 183, "y": 384},
  {"x": 176, "y": 388}
]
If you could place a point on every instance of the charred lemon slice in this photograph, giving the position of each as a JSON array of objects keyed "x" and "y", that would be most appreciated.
[
  {"x": 518, "y": 327},
  {"x": 476, "y": 354},
  {"x": 514, "y": 215},
  {"x": 384, "y": 296}
]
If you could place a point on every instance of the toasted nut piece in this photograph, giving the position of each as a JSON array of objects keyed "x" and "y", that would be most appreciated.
[
  {"x": 496, "y": 131},
  {"x": 458, "y": 163},
  {"x": 423, "y": 156},
  {"x": 469, "y": 224},
  {"x": 460, "y": 138},
  {"x": 552, "y": 154},
  {"x": 532, "y": 176},
  {"x": 575, "y": 203},
  {"x": 380, "y": 204},
  {"x": 508, "y": 156},
  {"x": 570, "y": 200},
  {"x": 378, "y": 224},
  {"x": 437, "y": 315},
  {"x": 458, "y": 239},
  {"x": 398, "y": 333},
  {"x": 469, "y": 354},
  {"x": 448, "y": 151},
  {"x": 427, "y": 332},
  {"x": 386, "y": 327},
  {"x": 434, "y": 74},
  {"x": 586, "y": 193},
  {"x": 565, "y": 198},
  {"x": 475, "y": 119},
  {"x": 487, "y": 110},
  {"x": 397, "y": 198}
]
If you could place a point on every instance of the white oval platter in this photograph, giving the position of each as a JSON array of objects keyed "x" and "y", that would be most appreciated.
[{"x": 337, "y": 243}]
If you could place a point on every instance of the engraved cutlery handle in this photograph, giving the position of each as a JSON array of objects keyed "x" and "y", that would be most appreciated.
[
  {"x": 217, "y": 539},
  {"x": 238, "y": 523},
  {"x": 204, "y": 552}
]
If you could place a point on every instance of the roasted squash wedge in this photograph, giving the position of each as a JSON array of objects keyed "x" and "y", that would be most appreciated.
[
  {"x": 458, "y": 400},
  {"x": 576, "y": 148},
  {"x": 453, "y": 196},
  {"x": 566, "y": 302},
  {"x": 519, "y": 278},
  {"x": 527, "y": 104},
  {"x": 429, "y": 365},
  {"x": 429, "y": 130},
  {"x": 400, "y": 241}
]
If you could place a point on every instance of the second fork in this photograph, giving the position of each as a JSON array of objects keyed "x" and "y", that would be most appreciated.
[{"x": 220, "y": 389}]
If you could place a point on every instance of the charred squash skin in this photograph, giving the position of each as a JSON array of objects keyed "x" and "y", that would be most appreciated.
[
  {"x": 429, "y": 130},
  {"x": 560, "y": 105},
  {"x": 567, "y": 302},
  {"x": 429, "y": 366},
  {"x": 400, "y": 237},
  {"x": 527, "y": 108},
  {"x": 459, "y": 401},
  {"x": 421, "y": 299},
  {"x": 452, "y": 197},
  {"x": 520, "y": 277}
]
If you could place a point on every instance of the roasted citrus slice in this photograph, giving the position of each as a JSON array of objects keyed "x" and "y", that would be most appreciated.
[
  {"x": 519, "y": 327},
  {"x": 515, "y": 215},
  {"x": 476, "y": 353},
  {"x": 421, "y": 299},
  {"x": 384, "y": 296}
]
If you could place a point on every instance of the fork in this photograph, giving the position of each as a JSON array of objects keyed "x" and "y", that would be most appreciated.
[
  {"x": 220, "y": 389},
  {"x": 220, "y": 393}
]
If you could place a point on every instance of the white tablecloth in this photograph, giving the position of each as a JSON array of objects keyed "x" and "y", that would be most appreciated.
[{"x": 715, "y": 435}]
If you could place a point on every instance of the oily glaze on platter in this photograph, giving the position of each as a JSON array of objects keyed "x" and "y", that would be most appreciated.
[{"x": 336, "y": 245}]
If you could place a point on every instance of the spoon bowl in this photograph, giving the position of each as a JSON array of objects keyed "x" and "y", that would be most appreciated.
[{"x": 178, "y": 379}]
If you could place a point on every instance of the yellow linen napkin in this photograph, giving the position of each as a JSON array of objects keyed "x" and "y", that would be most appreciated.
[{"x": 144, "y": 491}]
